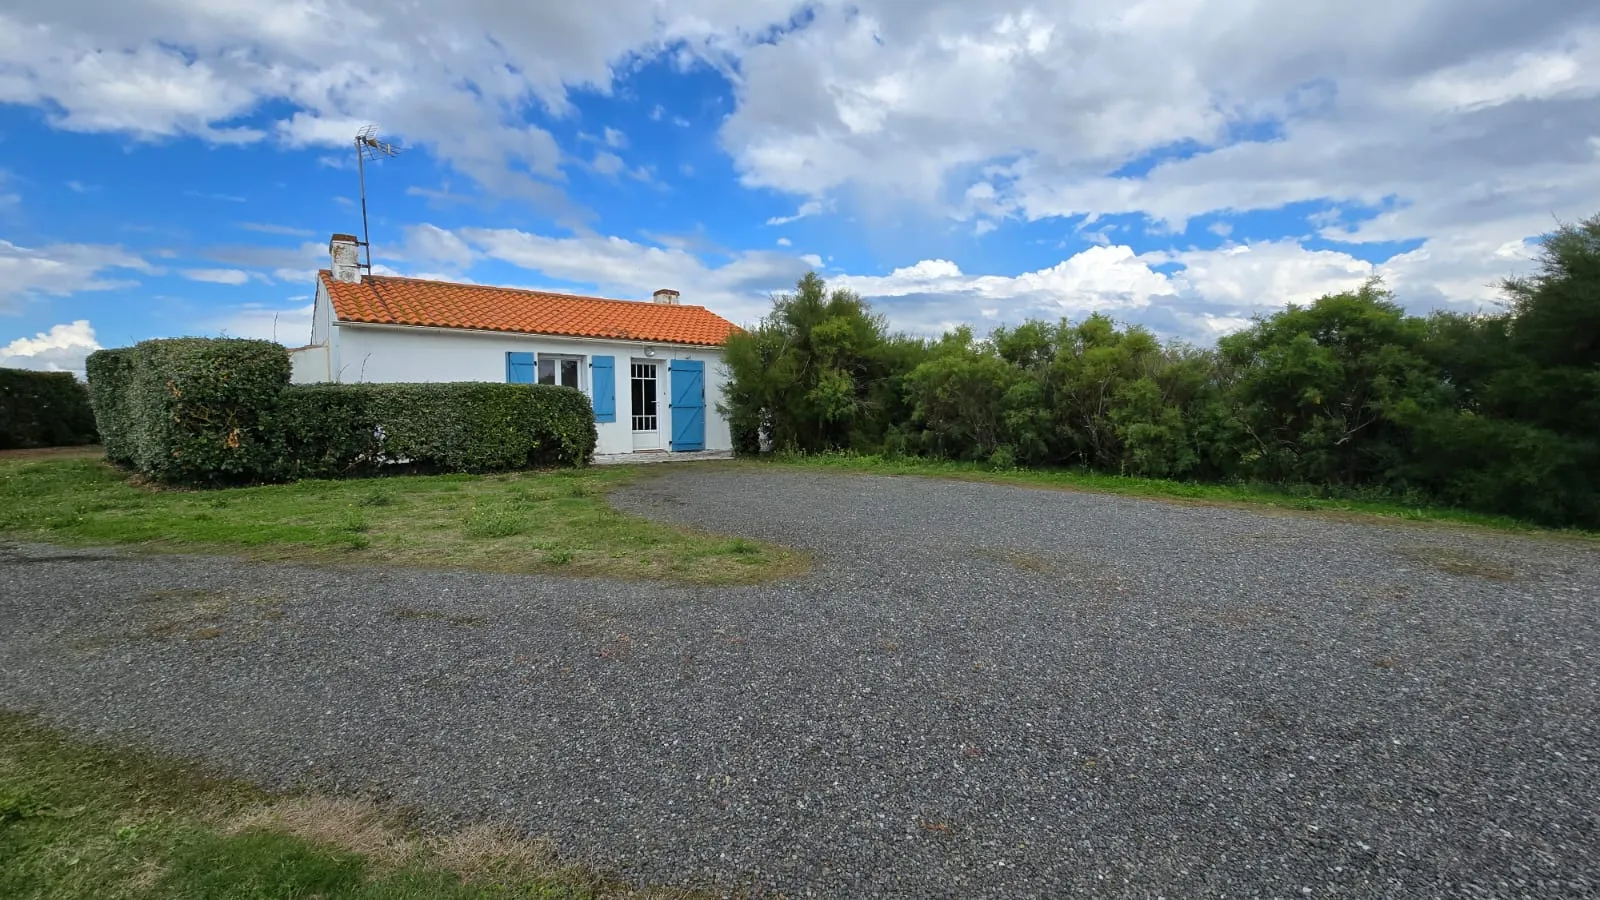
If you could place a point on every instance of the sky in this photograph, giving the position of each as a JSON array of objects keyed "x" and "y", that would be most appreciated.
[{"x": 175, "y": 167}]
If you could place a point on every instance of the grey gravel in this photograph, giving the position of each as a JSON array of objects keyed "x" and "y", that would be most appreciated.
[{"x": 980, "y": 691}]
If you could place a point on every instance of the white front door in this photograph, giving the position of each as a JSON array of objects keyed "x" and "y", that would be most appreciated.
[{"x": 645, "y": 391}]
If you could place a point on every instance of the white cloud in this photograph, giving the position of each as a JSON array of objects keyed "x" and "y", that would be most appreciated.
[
  {"x": 608, "y": 163},
  {"x": 738, "y": 289},
  {"x": 784, "y": 242},
  {"x": 61, "y": 349},
  {"x": 217, "y": 276},
  {"x": 455, "y": 79},
  {"x": 806, "y": 210},
  {"x": 432, "y": 244},
  {"x": 61, "y": 269},
  {"x": 616, "y": 139}
]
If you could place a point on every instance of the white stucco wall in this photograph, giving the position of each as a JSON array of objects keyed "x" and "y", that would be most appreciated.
[{"x": 398, "y": 354}]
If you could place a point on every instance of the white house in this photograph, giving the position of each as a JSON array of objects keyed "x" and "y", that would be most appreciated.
[{"x": 653, "y": 370}]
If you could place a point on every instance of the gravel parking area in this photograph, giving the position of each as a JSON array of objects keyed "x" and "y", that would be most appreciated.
[{"x": 981, "y": 691}]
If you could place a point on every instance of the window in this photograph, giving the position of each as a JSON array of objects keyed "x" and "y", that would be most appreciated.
[{"x": 562, "y": 370}]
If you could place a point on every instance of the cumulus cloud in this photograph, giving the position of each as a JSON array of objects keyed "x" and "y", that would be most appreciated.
[
  {"x": 61, "y": 349},
  {"x": 1194, "y": 294}
]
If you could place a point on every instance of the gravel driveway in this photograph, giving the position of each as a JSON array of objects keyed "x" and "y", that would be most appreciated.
[{"x": 981, "y": 691}]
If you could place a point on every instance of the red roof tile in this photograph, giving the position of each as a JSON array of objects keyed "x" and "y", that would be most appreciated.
[{"x": 386, "y": 300}]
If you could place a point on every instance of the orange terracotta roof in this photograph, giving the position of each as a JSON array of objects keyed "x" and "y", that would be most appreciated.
[{"x": 386, "y": 300}]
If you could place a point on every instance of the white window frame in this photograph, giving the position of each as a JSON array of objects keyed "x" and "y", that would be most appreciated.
[{"x": 558, "y": 358}]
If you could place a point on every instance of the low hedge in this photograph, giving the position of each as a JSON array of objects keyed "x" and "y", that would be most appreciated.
[
  {"x": 343, "y": 429},
  {"x": 203, "y": 410},
  {"x": 209, "y": 411},
  {"x": 43, "y": 409},
  {"x": 110, "y": 374}
]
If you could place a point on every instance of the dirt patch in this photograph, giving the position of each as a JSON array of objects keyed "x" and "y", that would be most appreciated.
[
  {"x": 90, "y": 452},
  {"x": 1457, "y": 561}
]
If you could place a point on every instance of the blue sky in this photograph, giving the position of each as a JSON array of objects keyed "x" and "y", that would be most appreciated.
[{"x": 175, "y": 167}]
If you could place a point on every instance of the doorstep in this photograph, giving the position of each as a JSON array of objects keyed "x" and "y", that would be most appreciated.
[{"x": 658, "y": 456}]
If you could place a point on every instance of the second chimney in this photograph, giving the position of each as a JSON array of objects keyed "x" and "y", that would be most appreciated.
[
  {"x": 346, "y": 254},
  {"x": 667, "y": 296}
]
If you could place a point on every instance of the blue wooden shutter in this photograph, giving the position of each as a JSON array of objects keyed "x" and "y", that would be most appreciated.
[
  {"x": 603, "y": 379},
  {"x": 519, "y": 368}
]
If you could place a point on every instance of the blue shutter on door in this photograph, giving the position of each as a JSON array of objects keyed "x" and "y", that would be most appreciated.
[
  {"x": 519, "y": 368},
  {"x": 688, "y": 404},
  {"x": 603, "y": 378}
]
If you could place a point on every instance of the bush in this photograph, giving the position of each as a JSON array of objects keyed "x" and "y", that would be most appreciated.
[
  {"x": 344, "y": 429},
  {"x": 110, "y": 375},
  {"x": 203, "y": 410},
  {"x": 43, "y": 409}
]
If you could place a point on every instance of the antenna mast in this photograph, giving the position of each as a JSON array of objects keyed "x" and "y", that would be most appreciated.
[{"x": 369, "y": 147}]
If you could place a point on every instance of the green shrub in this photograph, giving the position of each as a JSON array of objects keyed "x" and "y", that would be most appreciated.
[
  {"x": 346, "y": 429},
  {"x": 326, "y": 431},
  {"x": 110, "y": 376},
  {"x": 204, "y": 410},
  {"x": 43, "y": 409}
]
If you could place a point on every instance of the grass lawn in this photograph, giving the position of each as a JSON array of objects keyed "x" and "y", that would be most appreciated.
[
  {"x": 555, "y": 521},
  {"x": 1239, "y": 495},
  {"x": 88, "y": 821}
]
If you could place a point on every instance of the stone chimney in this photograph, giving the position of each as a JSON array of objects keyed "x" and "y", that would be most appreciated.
[
  {"x": 667, "y": 296},
  {"x": 346, "y": 253}
]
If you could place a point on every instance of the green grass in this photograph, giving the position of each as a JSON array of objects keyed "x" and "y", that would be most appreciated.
[
  {"x": 551, "y": 521},
  {"x": 83, "y": 820},
  {"x": 1303, "y": 500}
]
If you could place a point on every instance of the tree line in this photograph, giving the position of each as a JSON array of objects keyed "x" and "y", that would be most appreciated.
[{"x": 1497, "y": 411}]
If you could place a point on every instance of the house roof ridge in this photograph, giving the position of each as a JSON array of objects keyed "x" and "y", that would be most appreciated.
[{"x": 535, "y": 291}]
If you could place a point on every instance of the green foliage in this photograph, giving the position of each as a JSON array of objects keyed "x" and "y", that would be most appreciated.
[
  {"x": 110, "y": 377},
  {"x": 43, "y": 409},
  {"x": 203, "y": 410},
  {"x": 333, "y": 430},
  {"x": 817, "y": 373},
  {"x": 210, "y": 412},
  {"x": 1347, "y": 395}
]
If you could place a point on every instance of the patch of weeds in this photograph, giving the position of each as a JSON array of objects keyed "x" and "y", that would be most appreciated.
[
  {"x": 412, "y": 614},
  {"x": 742, "y": 547},
  {"x": 494, "y": 522},
  {"x": 378, "y": 497},
  {"x": 356, "y": 542},
  {"x": 558, "y": 557},
  {"x": 1458, "y": 562},
  {"x": 354, "y": 522}
]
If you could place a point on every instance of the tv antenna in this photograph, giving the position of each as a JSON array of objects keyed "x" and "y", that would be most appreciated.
[{"x": 369, "y": 147}]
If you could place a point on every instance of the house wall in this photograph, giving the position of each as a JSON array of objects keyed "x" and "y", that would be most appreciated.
[{"x": 401, "y": 354}]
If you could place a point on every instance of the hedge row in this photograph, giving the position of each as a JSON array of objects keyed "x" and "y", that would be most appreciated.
[
  {"x": 43, "y": 409},
  {"x": 346, "y": 429},
  {"x": 205, "y": 411}
]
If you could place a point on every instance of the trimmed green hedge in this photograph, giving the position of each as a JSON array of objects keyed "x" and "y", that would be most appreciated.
[
  {"x": 110, "y": 374},
  {"x": 202, "y": 411},
  {"x": 340, "y": 429},
  {"x": 43, "y": 409}
]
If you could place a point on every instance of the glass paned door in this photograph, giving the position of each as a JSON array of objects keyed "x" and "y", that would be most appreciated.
[{"x": 645, "y": 414}]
